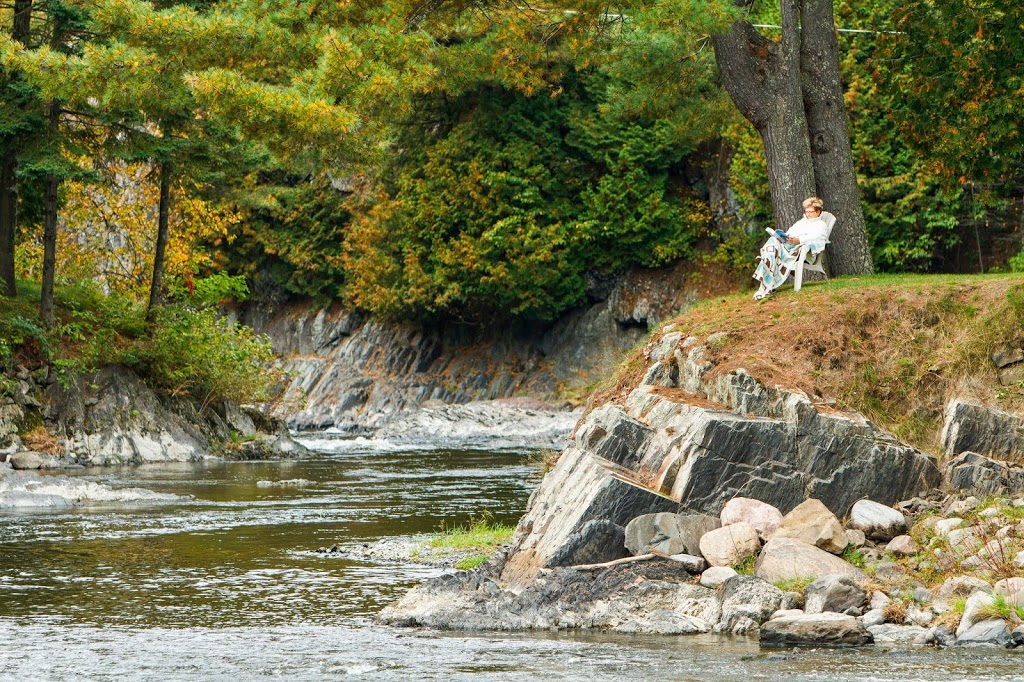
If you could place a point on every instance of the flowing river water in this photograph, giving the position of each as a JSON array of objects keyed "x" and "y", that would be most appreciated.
[{"x": 210, "y": 572}]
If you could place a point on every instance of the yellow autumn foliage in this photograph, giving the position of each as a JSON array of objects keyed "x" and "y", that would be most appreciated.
[{"x": 107, "y": 231}]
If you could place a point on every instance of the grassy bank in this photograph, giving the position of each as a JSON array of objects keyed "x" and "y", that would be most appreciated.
[{"x": 894, "y": 348}]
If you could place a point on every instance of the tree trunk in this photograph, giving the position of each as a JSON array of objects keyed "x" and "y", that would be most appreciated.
[
  {"x": 8, "y": 218},
  {"x": 162, "y": 235},
  {"x": 50, "y": 231},
  {"x": 763, "y": 79},
  {"x": 21, "y": 23},
  {"x": 834, "y": 173}
]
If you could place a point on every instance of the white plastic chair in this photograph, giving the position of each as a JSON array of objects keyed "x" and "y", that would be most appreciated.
[{"x": 813, "y": 262}]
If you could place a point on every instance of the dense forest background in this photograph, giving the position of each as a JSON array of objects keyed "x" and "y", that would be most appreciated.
[{"x": 471, "y": 160}]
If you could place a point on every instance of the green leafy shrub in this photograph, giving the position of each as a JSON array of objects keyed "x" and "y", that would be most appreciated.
[
  {"x": 184, "y": 350},
  {"x": 198, "y": 353}
]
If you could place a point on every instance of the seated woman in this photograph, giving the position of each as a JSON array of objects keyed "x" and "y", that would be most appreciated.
[{"x": 779, "y": 257}]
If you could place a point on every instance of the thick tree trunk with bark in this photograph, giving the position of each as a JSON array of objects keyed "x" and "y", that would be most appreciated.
[
  {"x": 828, "y": 127},
  {"x": 763, "y": 79},
  {"x": 21, "y": 23},
  {"x": 162, "y": 235}
]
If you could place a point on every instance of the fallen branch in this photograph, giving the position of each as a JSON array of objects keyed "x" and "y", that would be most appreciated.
[{"x": 617, "y": 562}]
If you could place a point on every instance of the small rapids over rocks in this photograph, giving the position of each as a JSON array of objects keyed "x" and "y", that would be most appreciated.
[
  {"x": 29, "y": 490},
  {"x": 482, "y": 425}
]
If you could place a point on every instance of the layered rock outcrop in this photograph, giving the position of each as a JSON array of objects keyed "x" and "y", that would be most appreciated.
[
  {"x": 357, "y": 375},
  {"x": 686, "y": 440},
  {"x": 113, "y": 417}
]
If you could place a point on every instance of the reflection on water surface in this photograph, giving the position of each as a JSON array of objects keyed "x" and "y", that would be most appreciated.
[{"x": 218, "y": 579}]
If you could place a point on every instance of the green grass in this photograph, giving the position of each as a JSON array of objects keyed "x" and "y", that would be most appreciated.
[
  {"x": 1000, "y": 608},
  {"x": 747, "y": 566},
  {"x": 471, "y": 562},
  {"x": 479, "y": 534},
  {"x": 794, "y": 584},
  {"x": 853, "y": 555}
]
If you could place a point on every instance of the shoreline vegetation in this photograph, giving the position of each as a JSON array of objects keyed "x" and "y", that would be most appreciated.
[{"x": 463, "y": 547}]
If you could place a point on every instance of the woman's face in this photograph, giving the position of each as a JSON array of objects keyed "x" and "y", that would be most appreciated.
[{"x": 812, "y": 212}]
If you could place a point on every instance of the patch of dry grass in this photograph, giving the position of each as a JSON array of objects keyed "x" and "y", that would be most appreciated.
[
  {"x": 41, "y": 440},
  {"x": 894, "y": 348}
]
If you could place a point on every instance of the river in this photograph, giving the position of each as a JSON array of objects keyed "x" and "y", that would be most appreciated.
[{"x": 210, "y": 572}]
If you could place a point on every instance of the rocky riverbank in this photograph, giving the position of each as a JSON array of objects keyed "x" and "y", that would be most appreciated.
[
  {"x": 794, "y": 579},
  {"x": 696, "y": 497},
  {"x": 113, "y": 417},
  {"x": 357, "y": 375}
]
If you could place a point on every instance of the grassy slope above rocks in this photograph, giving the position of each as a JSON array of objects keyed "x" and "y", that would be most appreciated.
[{"x": 894, "y": 348}]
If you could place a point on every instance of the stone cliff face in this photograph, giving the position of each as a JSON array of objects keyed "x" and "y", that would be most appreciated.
[
  {"x": 683, "y": 440},
  {"x": 356, "y": 374}
]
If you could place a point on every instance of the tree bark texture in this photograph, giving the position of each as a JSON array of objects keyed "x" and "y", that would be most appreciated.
[
  {"x": 763, "y": 79},
  {"x": 834, "y": 173},
  {"x": 162, "y": 235},
  {"x": 791, "y": 93},
  {"x": 50, "y": 231},
  {"x": 21, "y": 24},
  {"x": 8, "y": 218}
]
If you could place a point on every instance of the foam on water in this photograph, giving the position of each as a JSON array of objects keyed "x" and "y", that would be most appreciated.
[{"x": 24, "y": 490}]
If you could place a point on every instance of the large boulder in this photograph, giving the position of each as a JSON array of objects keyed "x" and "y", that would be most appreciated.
[
  {"x": 668, "y": 533},
  {"x": 729, "y": 545},
  {"x": 789, "y": 559},
  {"x": 29, "y": 460},
  {"x": 837, "y": 593},
  {"x": 976, "y": 610},
  {"x": 762, "y": 516},
  {"x": 746, "y": 597},
  {"x": 814, "y": 629},
  {"x": 812, "y": 522},
  {"x": 991, "y": 632},
  {"x": 878, "y": 521}
]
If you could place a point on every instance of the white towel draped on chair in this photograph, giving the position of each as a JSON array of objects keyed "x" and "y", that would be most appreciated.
[{"x": 778, "y": 259}]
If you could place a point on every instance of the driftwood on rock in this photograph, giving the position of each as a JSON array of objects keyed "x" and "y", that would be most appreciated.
[{"x": 618, "y": 562}]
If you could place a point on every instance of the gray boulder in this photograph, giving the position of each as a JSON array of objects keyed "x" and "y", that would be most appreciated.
[
  {"x": 663, "y": 622},
  {"x": 888, "y": 633},
  {"x": 836, "y": 593},
  {"x": 716, "y": 575},
  {"x": 668, "y": 533},
  {"x": 878, "y": 521},
  {"x": 902, "y": 546},
  {"x": 745, "y": 596},
  {"x": 788, "y": 559},
  {"x": 694, "y": 565},
  {"x": 812, "y": 522},
  {"x": 29, "y": 460},
  {"x": 815, "y": 629},
  {"x": 1017, "y": 637},
  {"x": 975, "y": 610},
  {"x": 992, "y": 632}
]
